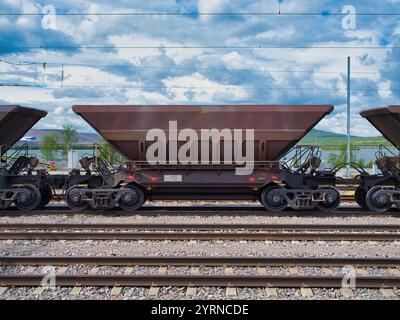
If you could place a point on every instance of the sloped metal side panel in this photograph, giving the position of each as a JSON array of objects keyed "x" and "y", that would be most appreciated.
[
  {"x": 15, "y": 121},
  {"x": 277, "y": 127},
  {"x": 387, "y": 121}
]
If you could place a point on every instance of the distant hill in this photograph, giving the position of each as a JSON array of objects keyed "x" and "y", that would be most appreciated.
[
  {"x": 323, "y": 137},
  {"x": 34, "y": 137},
  {"x": 85, "y": 138}
]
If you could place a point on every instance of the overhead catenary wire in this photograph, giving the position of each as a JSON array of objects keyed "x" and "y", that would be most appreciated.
[
  {"x": 224, "y": 87},
  {"x": 100, "y": 65},
  {"x": 323, "y": 13},
  {"x": 44, "y": 65},
  {"x": 47, "y": 65}
]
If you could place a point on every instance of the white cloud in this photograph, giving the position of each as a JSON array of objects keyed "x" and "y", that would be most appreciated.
[
  {"x": 210, "y": 6},
  {"x": 384, "y": 89},
  {"x": 285, "y": 33},
  {"x": 205, "y": 90},
  {"x": 58, "y": 110},
  {"x": 236, "y": 60},
  {"x": 337, "y": 124}
]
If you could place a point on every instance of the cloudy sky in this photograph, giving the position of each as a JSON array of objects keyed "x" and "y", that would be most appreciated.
[{"x": 199, "y": 51}]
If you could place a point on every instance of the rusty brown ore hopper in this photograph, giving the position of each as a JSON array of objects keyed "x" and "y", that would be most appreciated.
[
  {"x": 15, "y": 121},
  {"x": 387, "y": 121},
  {"x": 277, "y": 128}
]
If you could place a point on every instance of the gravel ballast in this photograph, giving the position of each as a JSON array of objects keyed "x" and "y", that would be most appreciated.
[{"x": 349, "y": 249}]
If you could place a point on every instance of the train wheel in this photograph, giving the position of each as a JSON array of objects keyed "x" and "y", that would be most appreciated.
[
  {"x": 132, "y": 198},
  {"x": 273, "y": 199},
  {"x": 378, "y": 200},
  {"x": 46, "y": 194},
  {"x": 74, "y": 200},
  {"x": 332, "y": 201},
  {"x": 30, "y": 199}
]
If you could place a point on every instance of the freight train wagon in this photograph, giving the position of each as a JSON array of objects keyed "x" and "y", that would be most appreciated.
[{"x": 134, "y": 130}]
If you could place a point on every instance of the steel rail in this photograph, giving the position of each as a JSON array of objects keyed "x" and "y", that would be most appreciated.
[
  {"x": 176, "y": 209},
  {"x": 347, "y": 197},
  {"x": 255, "y": 236},
  {"x": 200, "y": 280},
  {"x": 201, "y": 211},
  {"x": 198, "y": 227},
  {"x": 199, "y": 260}
]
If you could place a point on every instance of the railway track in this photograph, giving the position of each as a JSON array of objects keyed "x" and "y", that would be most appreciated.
[
  {"x": 193, "y": 231},
  {"x": 199, "y": 227},
  {"x": 261, "y": 279},
  {"x": 148, "y": 231},
  {"x": 199, "y": 261},
  {"x": 205, "y": 232},
  {"x": 201, "y": 280}
]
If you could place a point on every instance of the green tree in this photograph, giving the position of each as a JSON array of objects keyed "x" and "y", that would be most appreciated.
[
  {"x": 110, "y": 153},
  {"x": 341, "y": 158},
  {"x": 49, "y": 147},
  {"x": 69, "y": 138}
]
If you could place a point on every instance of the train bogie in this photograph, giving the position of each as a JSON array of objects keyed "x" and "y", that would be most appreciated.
[{"x": 128, "y": 198}]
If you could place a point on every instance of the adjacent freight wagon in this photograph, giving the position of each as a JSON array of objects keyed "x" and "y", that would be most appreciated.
[
  {"x": 20, "y": 183},
  {"x": 380, "y": 192},
  {"x": 24, "y": 181},
  {"x": 15, "y": 121}
]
